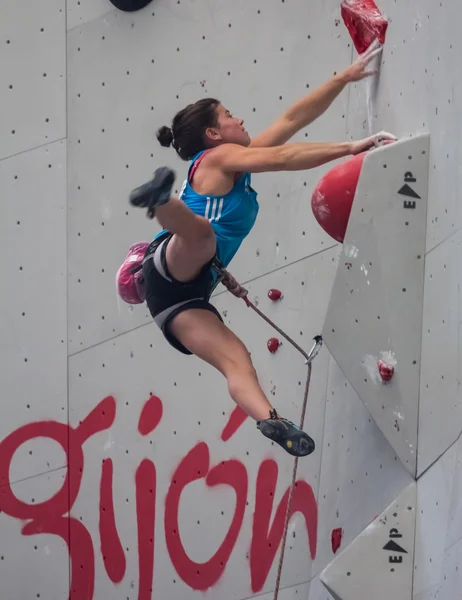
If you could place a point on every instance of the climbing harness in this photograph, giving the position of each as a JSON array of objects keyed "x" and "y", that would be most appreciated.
[{"x": 240, "y": 292}]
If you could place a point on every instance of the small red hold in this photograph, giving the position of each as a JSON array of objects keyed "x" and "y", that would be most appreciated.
[
  {"x": 337, "y": 535},
  {"x": 386, "y": 370},
  {"x": 273, "y": 345},
  {"x": 274, "y": 295}
]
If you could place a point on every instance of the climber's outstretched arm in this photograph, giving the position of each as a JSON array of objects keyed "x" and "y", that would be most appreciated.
[
  {"x": 309, "y": 108},
  {"x": 233, "y": 158}
]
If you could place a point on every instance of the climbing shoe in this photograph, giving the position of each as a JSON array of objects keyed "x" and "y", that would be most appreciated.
[
  {"x": 288, "y": 435},
  {"x": 154, "y": 193}
]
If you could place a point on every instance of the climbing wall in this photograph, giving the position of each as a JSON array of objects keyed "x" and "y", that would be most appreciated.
[
  {"x": 125, "y": 471},
  {"x": 418, "y": 98}
]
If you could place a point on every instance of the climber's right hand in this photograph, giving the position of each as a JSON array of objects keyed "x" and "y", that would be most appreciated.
[{"x": 374, "y": 141}]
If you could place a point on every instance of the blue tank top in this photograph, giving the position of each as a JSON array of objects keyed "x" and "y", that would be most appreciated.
[{"x": 232, "y": 216}]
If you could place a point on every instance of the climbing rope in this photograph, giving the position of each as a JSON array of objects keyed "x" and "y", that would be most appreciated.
[{"x": 240, "y": 292}]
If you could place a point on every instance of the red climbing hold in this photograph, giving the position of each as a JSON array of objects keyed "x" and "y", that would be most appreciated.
[
  {"x": 365, "y": 23},
  {"x": 336, "y": 536},
  {"x": 333, "y": 196},
  {"x": 274, "y": 295},
  {"x": 273, "y": 345},
  {"x": 386, "y": 370}
]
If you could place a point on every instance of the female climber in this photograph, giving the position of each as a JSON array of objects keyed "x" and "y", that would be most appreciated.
[{"x": 216, "y": 209}]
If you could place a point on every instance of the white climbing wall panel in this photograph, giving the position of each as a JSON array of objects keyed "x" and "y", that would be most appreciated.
[
  {"x": 124, "y": 472},
  {"x": 375, "y": 311},
  {"x": 33, "y": 555},
  {"x": 439, "y": 529},
  {"x": 33, "y": 324},
  {"x": 32, "y": 75},
  {"x": 440, "y": 415},
  {"x": 384, "y": 551}
]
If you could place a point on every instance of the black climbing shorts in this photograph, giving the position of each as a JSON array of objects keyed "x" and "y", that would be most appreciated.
[{"x": 166, "y": 297}]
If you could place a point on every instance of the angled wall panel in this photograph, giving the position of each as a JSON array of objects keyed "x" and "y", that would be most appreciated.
[
  {"x": 379, "y": 562},
  {"x": 375, "y": 311}
]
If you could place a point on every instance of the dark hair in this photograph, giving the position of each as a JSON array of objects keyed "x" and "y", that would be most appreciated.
[{"x": 188, "y": 128}]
